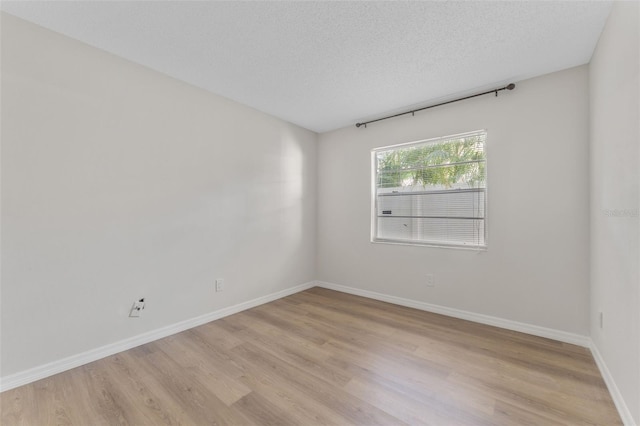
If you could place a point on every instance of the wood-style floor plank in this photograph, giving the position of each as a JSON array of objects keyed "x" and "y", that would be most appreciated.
[{"x": 321, "y": 357}]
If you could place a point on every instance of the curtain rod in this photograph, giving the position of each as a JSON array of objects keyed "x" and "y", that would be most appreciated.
[{"x": 507, "y": 87}]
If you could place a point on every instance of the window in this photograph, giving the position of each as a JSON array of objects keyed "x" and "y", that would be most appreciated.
[{"x": 431, "y": 192}]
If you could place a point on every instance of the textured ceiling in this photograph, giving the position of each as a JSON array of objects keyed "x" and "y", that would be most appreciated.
[{"x": 326, "y": 65}]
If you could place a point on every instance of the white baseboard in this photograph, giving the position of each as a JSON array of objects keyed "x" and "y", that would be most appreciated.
[
  {"x": 55, "y": 367},
  {"x": 618, "y": 400},
  {"x": 549, "y": 333},
  {"x": 46, "y": 370}
]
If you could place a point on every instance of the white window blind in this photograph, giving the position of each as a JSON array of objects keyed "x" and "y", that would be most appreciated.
[{"x": 431, "y": 192}]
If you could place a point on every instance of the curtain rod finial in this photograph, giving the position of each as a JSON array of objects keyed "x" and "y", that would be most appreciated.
[{"x": 511, "y": 86}]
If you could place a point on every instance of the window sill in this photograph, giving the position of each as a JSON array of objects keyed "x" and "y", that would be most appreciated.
[{"x": 432, "y": 245}]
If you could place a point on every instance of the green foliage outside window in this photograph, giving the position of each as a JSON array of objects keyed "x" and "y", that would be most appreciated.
[{"x": 455, "y": 162}]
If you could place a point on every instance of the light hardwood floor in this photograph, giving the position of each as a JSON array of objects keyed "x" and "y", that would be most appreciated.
[{"x": 324, "y": 357}]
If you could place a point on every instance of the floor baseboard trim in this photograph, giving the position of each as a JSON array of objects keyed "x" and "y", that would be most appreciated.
[
  {"x": 618, "y": 400},
  {"x": 549, "y": 333},
  {"x": 37, "y": 373}
]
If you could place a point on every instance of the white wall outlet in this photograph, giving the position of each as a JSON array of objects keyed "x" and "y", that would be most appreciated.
[
  {"x": 219, "y": 284},
  {"x": 137, "y": 308},
  {"x": 431, "y": 280}
]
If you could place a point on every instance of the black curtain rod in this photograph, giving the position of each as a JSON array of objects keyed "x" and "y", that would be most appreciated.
[{"x": 507, "y": 87}]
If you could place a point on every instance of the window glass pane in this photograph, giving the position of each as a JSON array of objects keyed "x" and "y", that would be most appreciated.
[{"x": 432, "y": 191}]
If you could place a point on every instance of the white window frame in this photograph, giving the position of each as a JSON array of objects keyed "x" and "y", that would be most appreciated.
[{"x": 427, "y": 243}]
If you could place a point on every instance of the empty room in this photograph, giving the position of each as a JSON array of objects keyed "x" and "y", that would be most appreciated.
[{"x": 320, "y": 213}]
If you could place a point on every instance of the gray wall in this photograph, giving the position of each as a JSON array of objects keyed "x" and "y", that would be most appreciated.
[
  {"x": 119, "y": 182},
  {"x": 615, "y": 199},
  {"x": 535, "y": 270}
]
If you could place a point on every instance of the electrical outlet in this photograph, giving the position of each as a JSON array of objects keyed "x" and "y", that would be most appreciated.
[
  {"x": 219, "y": 284},
  {"x": 601, "y": 319},
  {"x": 137, "y": 308},
  {"x": 431, "y": 280}
]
